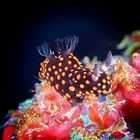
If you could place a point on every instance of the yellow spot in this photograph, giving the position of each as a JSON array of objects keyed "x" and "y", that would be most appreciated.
[
  {"x": 58, "y": 77},
  {"x": 78, "y": 77},
  {"x": 108, "y": 82},
  {"x": 87, "y": 82},
  {"x": 48, "y": 74},
  {"x": 62, "y": 90},
  {"x": 84, "y": 76},
  {"x": 94, "y": 88},
  {"x": 67, "y": 95},
  {"x": 108, "y": 77},
  {"x": 57, "y": 86},
  {"x": 99, "y": 91},
  {"x": 103, "y": 86},
  {"x": 105, "y": 92},
  {"x": 63, "y": 82},
  {"x": 91, "y": 91},
  {"x": 104, "y": 81},
  {"x": 70, "y": 75},
  {"x": 87, "y": 93},
  {"x": 60, "y": 64},
  {"x": 99, "y": 84},
  {"x": 99, "y": 75},
  {"x": 75, "y": 81},
  {"x": 76, "y": 72},
  {"x": 66, "y": 68},
  {"x": 81, "y": 85},
  {"x": 51, "y": 78},
  {"x": 49, "y": 69},
  {"x": 78, "y": 95},
  {"x": 60, "y": 70},
  {"x": 72, "y": 88},
  {"x": 84, "y": 72},
  {"x": 75, "y": 58},
  {"x": 70, "y": 56},
  {"x": 69, "y": 62},
  {"x": 56, "y": 72},
  {"x": 71, "y": 70},
  {"x": 80, "y": 92},
  {"x": 53, "y": 66},
  {"x": 61, "y": 59},
  {"x": 63, "y": 73},
  {"x": 75, "y": 66}
]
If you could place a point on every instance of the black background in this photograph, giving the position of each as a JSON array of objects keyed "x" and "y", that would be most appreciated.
[{"x": 99, "y": 25}]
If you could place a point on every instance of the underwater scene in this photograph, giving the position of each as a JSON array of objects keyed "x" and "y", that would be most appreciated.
[{"x": 86, "y": 99}]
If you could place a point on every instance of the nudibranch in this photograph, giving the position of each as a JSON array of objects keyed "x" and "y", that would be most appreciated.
[{"x": 68, "y": 76}]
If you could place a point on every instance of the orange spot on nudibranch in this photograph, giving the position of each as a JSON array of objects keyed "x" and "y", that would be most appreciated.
[
  {"x": 72, "y": 88},
  {"x": 61, "y": 59},
  {"x": 66, "y": 68},
  {"x": 75, "y": 65},
  {"x": 60, "y": 64},
  {"x": 58, "y": 77},
  {"x": 67, "y": 95},
  {"x": 104, "y": 81},
  {"x": 103, "y": 86},
  {"x": 87, "y": 82},
  {"x": 87, "y": 92},
  {"x": 63, "y": 73},
  {"x": 56, "y": 72},
  {"x": 54, "y": 67},
  {"x": 81, "y": 85},
  {"x": 63, "y": 82},
  {"x": 78, "y": 95},
  {"x": 57, "y": 86},
  {"x": 49, "y": 69},
  {"x": 78, "y": 77},
  {"x": 69, "y": 62},
  {"x": 94, "y": 88}
]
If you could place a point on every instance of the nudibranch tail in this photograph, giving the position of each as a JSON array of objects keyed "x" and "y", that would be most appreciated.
[
  {"x": 96, "y": 72},
  {"x": 67, "y": 75},
  {"x": 108, "y": 59},
  {"x": 107, "y": 63}
]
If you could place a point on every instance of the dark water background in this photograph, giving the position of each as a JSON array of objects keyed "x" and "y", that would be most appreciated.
[{"x": 99, "y": 25}]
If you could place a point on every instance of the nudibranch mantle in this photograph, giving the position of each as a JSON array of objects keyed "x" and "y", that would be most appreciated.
[{"x": 67, "y": 75}]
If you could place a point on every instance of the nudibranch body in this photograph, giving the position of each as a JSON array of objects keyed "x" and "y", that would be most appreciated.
[{"x": 67, "y": 75}]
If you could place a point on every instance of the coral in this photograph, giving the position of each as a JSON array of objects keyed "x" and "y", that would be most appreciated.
[
  {"x": 48, "y": 115},
  {"x": 53, "y": 117}
]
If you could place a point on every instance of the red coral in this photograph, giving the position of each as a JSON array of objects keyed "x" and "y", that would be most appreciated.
[
  {"x": 117, "y": 134},
  {"x": 108, "y": 118},
  {"x": 8, "y": 132},
  {"x": 127, "y": 88}
]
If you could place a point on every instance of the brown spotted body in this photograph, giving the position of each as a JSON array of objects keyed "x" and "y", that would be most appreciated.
[{"x": 71, "y": 79}]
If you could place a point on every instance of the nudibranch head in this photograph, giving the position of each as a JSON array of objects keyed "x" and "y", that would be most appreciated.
[{"x": 68, "y": 76}]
